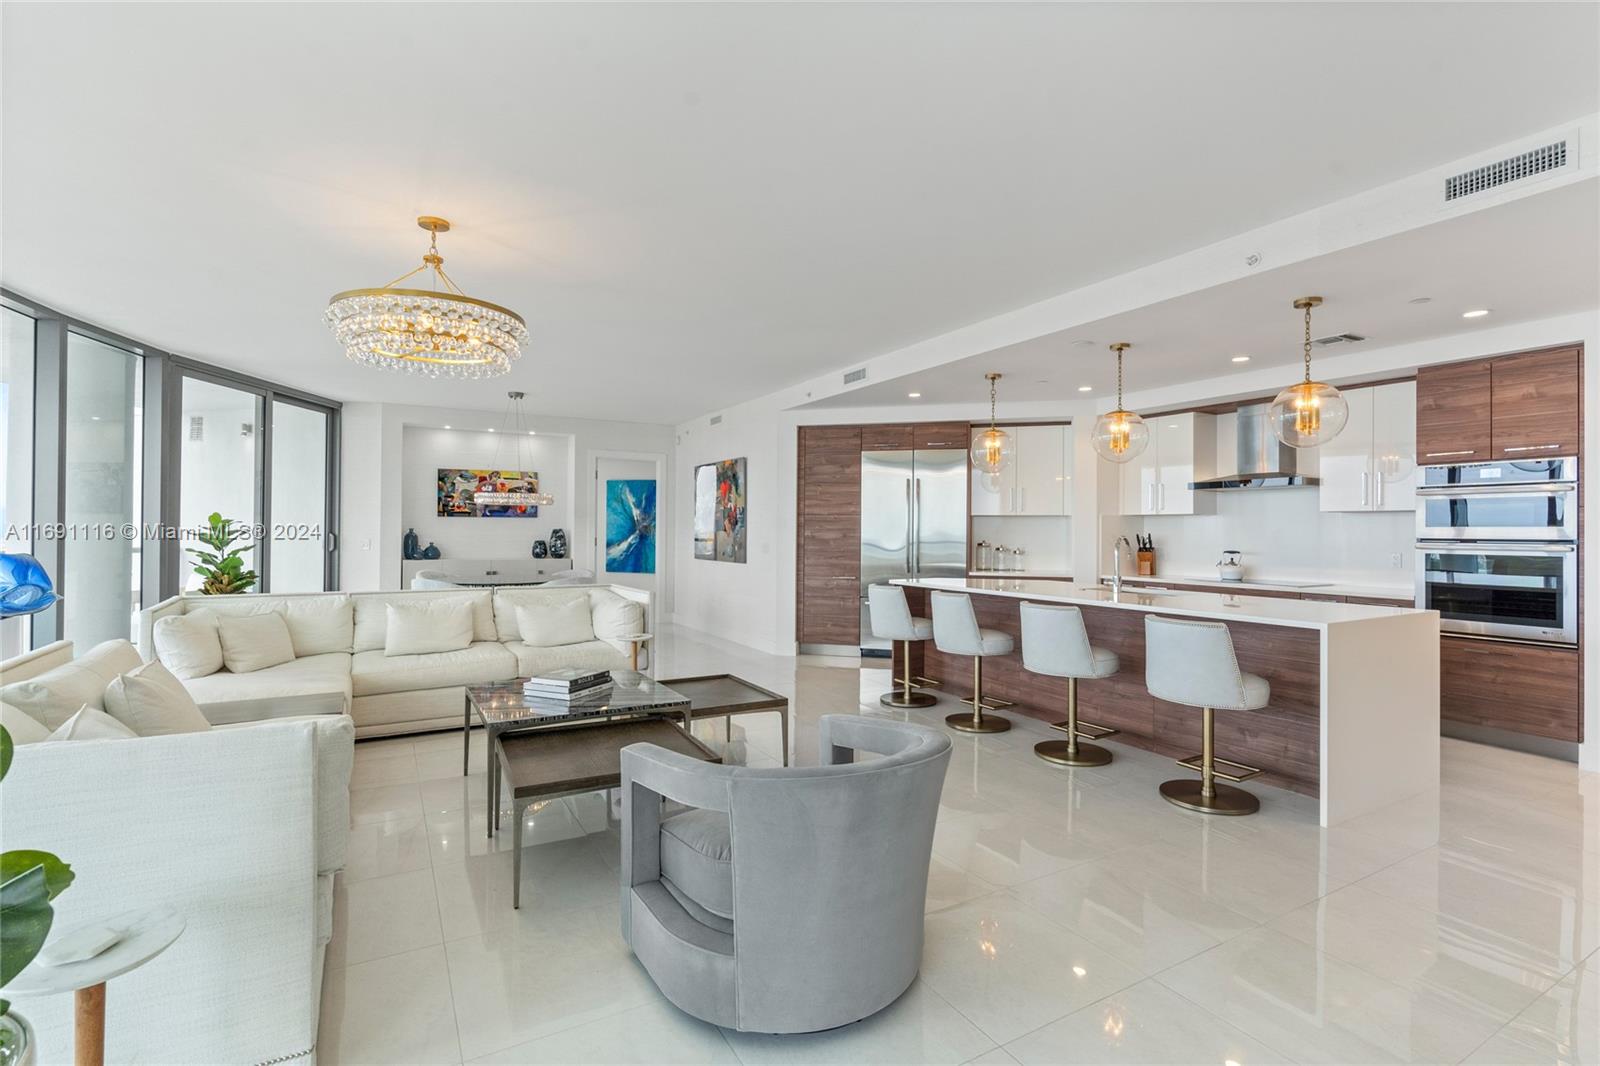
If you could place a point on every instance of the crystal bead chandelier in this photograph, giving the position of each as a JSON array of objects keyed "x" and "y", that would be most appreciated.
[
  {"x": 993, "y": 448},
  {"x": 1309, "y": 413},
  {"x": 513, "y": 424},
  {"x": 1120, "y": 435},
  {"x": 439, "y": 332}
]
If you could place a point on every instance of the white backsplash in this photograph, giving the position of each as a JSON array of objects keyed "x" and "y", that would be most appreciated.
[
  {"x": 1047, "y": 540},
  {"x": 1281, "y": 534}
]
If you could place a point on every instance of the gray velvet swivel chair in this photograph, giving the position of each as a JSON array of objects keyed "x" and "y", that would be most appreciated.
[{"x": 791, "y": 899}]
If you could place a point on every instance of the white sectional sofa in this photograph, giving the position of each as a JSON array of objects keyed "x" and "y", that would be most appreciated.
[
  {"x": 240, "y": 828},
  {"x": 344, "y": 658}
]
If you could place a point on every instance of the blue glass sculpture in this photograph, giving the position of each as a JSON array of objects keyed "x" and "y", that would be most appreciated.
[{"x": 24, "y": 586}]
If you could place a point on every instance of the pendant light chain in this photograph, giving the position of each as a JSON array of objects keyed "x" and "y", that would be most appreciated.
[
  {"x": 1308, "y": 341},
  {"x": 991, "y": 403},
  {"x": 1119, "y": 379}
]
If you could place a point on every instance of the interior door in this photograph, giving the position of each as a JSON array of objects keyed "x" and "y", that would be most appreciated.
[{"x": 626, "y": 509}]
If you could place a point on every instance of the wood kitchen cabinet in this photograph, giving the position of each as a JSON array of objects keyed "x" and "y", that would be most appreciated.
[
  {"x": 828, "y": 559},
  {"x": 1534, "y": 405},
  {"x": 940, "y": 435},
  {"x": 1453, "y": 404},
  {"x": 1523, "y": 688}
]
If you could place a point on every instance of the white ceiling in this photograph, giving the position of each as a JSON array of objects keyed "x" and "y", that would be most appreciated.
[
  {"x": 695, "y": 205},
  {"x": 1531, "y": 258}
]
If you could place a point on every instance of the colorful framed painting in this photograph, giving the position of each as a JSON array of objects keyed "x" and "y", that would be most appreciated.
[
  {"x": 631, "y": 526},
  {"x": 719, "y": 511},
  {"x": 458, "y": 489}
]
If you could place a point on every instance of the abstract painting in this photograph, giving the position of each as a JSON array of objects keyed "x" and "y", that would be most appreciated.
[
  {"x": 719, "y": 511},
  {"x": 631, "y": 526},
  {"x": 705, "y": 511},
  {"x": 458, "y": 489}
]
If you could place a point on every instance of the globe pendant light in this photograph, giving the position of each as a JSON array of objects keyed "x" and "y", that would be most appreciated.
[
  {"x": 993, "y": 448},
  {"x": 438, "y": 332},
  {"x": 1120, "y": 435},
  {"x": 1310, "y": 413}
]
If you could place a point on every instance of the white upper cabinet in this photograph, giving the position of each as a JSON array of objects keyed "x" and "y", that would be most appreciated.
[
  {"x": 1372, "y": 464},
  {"x": 1182, "y": 450},
  {"x": 1036, "y": 481}
]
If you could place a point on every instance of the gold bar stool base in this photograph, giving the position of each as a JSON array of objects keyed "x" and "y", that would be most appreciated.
[
  {"x": 907, "y": 699},
  {"x": 1187, "y": 793},
  {"x": 1060, "y": 752},
  {"x": 966, "y": 723}
]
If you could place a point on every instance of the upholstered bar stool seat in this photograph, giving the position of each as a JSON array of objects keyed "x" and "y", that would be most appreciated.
[
  {"x": 1193, "y": 663},
  {"x": 956, "y": 632},
  {"x": 891, "y": 619},
  {"x": 1056, "y": 644}
]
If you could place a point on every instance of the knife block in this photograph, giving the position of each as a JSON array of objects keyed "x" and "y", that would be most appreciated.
[{"x": 1147, "y": 563}]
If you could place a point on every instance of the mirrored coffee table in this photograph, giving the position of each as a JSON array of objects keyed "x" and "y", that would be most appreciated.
[{"x": 502, "y": 708}]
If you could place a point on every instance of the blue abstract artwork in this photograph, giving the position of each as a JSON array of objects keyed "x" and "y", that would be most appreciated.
[{"x": 631, "y": 526}]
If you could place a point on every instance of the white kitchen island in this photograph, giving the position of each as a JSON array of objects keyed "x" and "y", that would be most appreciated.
[{"x": 1354, "y": 714}]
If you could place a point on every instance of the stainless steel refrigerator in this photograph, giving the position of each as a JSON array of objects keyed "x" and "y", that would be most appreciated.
[{"x": 913, "y": 521}]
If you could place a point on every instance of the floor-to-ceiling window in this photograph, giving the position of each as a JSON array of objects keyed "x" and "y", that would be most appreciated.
[
  {"x": 301, "y": 532},
  {"x": 101, "y": 491},
  {"x": 16, "y": 470},
  {"x": 220, "y": 466}
]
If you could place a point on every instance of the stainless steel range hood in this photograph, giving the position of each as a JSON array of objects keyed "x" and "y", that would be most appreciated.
[{"x": 1262, "y": 460}]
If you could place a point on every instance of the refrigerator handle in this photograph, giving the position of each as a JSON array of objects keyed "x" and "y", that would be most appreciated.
[
  {"x": 910, "y": 527},
  {"x": 916, "y": 559}
]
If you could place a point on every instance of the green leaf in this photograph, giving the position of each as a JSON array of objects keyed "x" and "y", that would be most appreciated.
[
  {"x": 7, "y": 749},
  {"x": 25, "y": 917},
  {"x": 57, "y": 874}
]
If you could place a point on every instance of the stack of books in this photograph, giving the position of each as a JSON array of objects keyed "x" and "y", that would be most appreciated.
[{"x": 566, "y": 684}]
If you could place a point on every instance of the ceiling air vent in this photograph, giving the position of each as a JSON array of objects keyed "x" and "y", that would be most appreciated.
[
  {"x": 197, "y": 427},
  {"x": 1338, "y": 338},
  {"x": 853, "y": 376},
  {"x": 1479, "y": 179},
  {"x": 716, "y": 420}
]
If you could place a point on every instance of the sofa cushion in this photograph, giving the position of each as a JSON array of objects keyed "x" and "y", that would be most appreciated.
[
  {"x": 153, "y": 703},
  {"x": 372, "y": 614},
  {"x": 594, "y": 655},
  {"x": 334, "y": 743},
  {"x": 373, "y": 672},
  {"x": 506, "y": 602},
  {"x": 420, "y": 628},
  {"x": 91, "y": 723},
  {"x": 615, "y": 617},
  {"x": 189, "y": 644},
  {"x": 697, "y": 858},
  {"x": 319, "y": 623},
  {"x": 55, "y": 695},
  {"x": 23, "y": 727},
  {"x": 552, "y": 625},
  {"x": 316, "y": 684}
]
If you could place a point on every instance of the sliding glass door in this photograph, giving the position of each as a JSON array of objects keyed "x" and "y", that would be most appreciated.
[
  {"x": 219, "y": 465},
  {"x": 300, "y": 538}
]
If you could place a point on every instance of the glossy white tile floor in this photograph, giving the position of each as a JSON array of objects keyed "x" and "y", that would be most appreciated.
[{"x": 1073, "y": 916}]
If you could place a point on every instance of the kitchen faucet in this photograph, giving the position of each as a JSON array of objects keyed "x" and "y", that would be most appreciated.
[{"x": 1116, "y": 564}]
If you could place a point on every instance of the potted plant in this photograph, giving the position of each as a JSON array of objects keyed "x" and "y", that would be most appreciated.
[
  {"x": 220, "y": 564},
  {"x": 29, "y": 880}
]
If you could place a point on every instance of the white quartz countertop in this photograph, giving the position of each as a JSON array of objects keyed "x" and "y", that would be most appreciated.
[
  {"x": 1303, "y": 614},
  {"x": 1057, "y": 574},
  {"x": 1377, "y": 592}
]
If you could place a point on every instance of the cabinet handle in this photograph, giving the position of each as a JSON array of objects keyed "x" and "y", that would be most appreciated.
[
  {"x": 1377, "y": 483},
  {"x": 1535, "y": 448},
  {"x": 1463, "y": 451},
  {"x": 937, "y": 444},
  {"x": 1364, "y": 477}
]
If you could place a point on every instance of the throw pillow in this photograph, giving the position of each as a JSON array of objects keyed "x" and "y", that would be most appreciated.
[
  {"x": 550, "y": 625},
  {"x": 24, "y": 728},
  {"x": 188, "y": 644},
  {"x": 254, "y": 642},
  {"x": 90, "y": 723},
  {"x": 616, "y": 617},
  {"x": 55, "y": 695},
  {"x": 422, "y": 627},
  {"x": 153, "y": 703}
]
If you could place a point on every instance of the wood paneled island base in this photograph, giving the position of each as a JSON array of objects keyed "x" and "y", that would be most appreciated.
[{"x": 1380, "y": 654}]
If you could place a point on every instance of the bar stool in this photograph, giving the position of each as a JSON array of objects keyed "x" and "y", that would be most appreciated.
[
  {"x": 1055, "y": 643},
  {"x": 1193, "y": 663},
  {"x": 891, "y": 619},
  {"x": 956, "y": 632}
]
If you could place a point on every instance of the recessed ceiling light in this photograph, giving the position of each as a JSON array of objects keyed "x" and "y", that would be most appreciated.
[
  {"x": 446, "y": 427},
  {"x": 491, "y": 429},
  {"x": 1479, "y": 313},
  {"x": 914, "y": 395},
  {"x": 1084, "y": 344},
  {"x": 1241, "y": 359},
  {"x": 1421, "y": 300},
  {"x": 1085, "y": 388}
]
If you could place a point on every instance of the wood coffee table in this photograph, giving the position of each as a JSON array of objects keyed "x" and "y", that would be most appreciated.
[
  {"x": 723, "y": 696},
  {"x": 548, "y": 763}
]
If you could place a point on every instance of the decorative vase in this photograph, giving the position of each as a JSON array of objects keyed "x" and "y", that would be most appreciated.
[
  {"x": 540, "y": 549},
  {"x": 16, "y": 1040},
  {"x": 411, "y": 545},
  {"x": 558, "y": 544},
  {"x": 431, "y": 551}
]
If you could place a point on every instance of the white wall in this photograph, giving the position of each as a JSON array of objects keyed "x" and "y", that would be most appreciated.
[
  {"x": 425, "y": 450},
  {"x": 1046, "y": 540}
]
